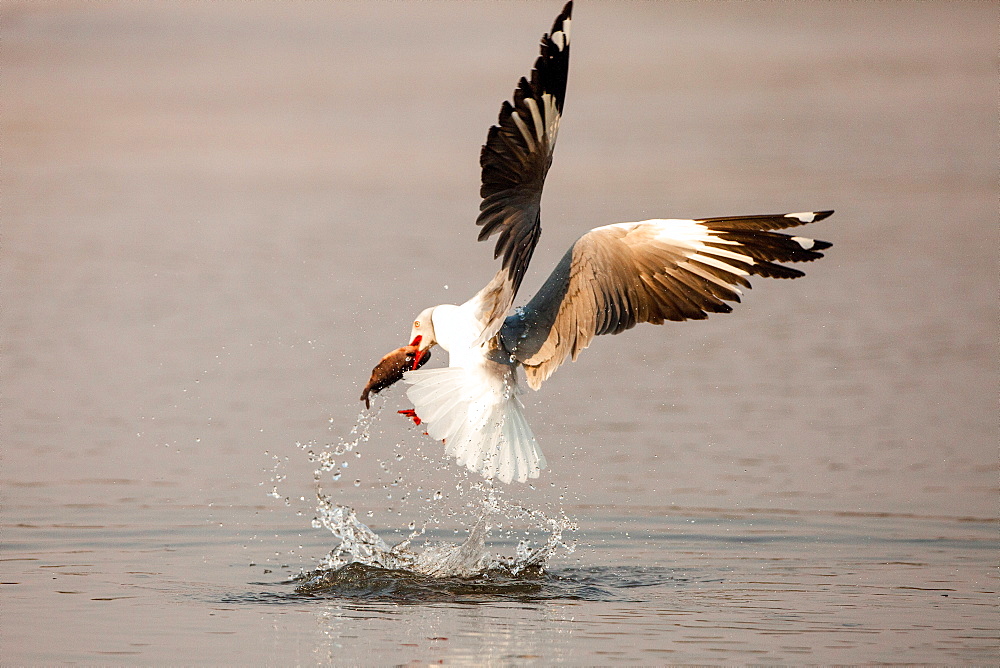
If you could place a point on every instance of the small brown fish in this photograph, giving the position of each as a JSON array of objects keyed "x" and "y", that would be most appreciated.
[{"x": 390, "y": 369}]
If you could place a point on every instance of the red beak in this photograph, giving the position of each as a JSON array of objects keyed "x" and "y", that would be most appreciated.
[{"x": 419, "y": 355}]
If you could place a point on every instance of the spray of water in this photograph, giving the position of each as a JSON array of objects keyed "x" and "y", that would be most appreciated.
[{"x": 358, "y": 544}]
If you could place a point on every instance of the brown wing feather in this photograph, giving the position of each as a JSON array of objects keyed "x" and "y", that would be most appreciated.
[{"x": 618, "y": 276}]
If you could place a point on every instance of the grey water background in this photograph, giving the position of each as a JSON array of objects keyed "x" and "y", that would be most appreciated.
[{"x": 216, "y": 216}]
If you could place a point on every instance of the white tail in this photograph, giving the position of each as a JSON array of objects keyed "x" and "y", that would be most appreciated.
[{"x": 479, "y": 418}]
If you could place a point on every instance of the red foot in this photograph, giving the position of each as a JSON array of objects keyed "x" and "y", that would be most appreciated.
[{"x": 412, "y": 414}]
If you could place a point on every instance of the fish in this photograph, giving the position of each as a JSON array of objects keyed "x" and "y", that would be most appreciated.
[{"x": 390, "y": 369}]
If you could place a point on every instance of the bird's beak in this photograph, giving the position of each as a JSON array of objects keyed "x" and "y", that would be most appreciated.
[{"x": 419, "y": 355}]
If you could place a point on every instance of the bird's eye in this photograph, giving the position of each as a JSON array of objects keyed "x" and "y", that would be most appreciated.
[{"x": 416, "y": 324}]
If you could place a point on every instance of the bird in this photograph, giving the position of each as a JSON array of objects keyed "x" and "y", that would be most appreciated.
[{"x": 611, "y": 279}]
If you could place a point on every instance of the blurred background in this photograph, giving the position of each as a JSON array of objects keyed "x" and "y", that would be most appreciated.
[{"x": 218, "y": 217}]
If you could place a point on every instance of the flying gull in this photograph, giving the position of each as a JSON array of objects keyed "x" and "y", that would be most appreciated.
[{"x": 611, "y": 279}]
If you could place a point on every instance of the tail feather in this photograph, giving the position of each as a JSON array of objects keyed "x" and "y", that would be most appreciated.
[
  {"x": 438, "y": 397},
  {"x": 482, "y": 452},
  {"x": 508, "y": 459},
  {"x": 518, "y": 458},
  {"x": 482, "y": 425}
]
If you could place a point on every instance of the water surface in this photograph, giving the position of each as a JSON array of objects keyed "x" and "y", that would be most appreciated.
[{"x": 217, "y": 217}]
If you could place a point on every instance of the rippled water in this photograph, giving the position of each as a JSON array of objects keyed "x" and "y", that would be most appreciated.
[
  {"x": 682, "y": 587},
  {"x": 216, "y": 217}
]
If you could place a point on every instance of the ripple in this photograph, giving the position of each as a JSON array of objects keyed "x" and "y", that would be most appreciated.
[{"x": 362, "y": 582}]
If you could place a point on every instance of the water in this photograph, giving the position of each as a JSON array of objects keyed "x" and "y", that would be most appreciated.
[
  {"x": 690, "y": 585},
  {"x": 217, "y": 217}
]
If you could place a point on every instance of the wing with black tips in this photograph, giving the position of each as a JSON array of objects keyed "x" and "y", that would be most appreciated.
[
  {"x": 514, "y": 161},
  {"x": 617, "y": 276}
]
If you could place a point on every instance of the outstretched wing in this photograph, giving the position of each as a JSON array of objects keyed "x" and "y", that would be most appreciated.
[
  {"x": 617, "y": 276},
  {"x": 515, "y": 160}
]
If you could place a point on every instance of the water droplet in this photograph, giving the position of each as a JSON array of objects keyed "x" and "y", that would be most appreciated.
[
  {"x": 438, "y": 495},
  {"x": 357, "y": 483}
]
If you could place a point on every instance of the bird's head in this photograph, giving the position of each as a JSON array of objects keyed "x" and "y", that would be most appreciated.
[{"x": 422, "y": 334}]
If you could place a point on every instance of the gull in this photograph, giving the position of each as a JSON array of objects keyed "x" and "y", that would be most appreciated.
[{"x": 611, "y": 279}]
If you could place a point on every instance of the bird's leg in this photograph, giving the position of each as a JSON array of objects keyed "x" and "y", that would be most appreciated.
[{"x": 412, "y": 414}]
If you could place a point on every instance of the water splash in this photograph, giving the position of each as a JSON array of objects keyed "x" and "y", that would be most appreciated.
[
  {"x": 363, "y": 553},
  {"x": 330, "y": 457},
  {"x": 359, "y": 544}
]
